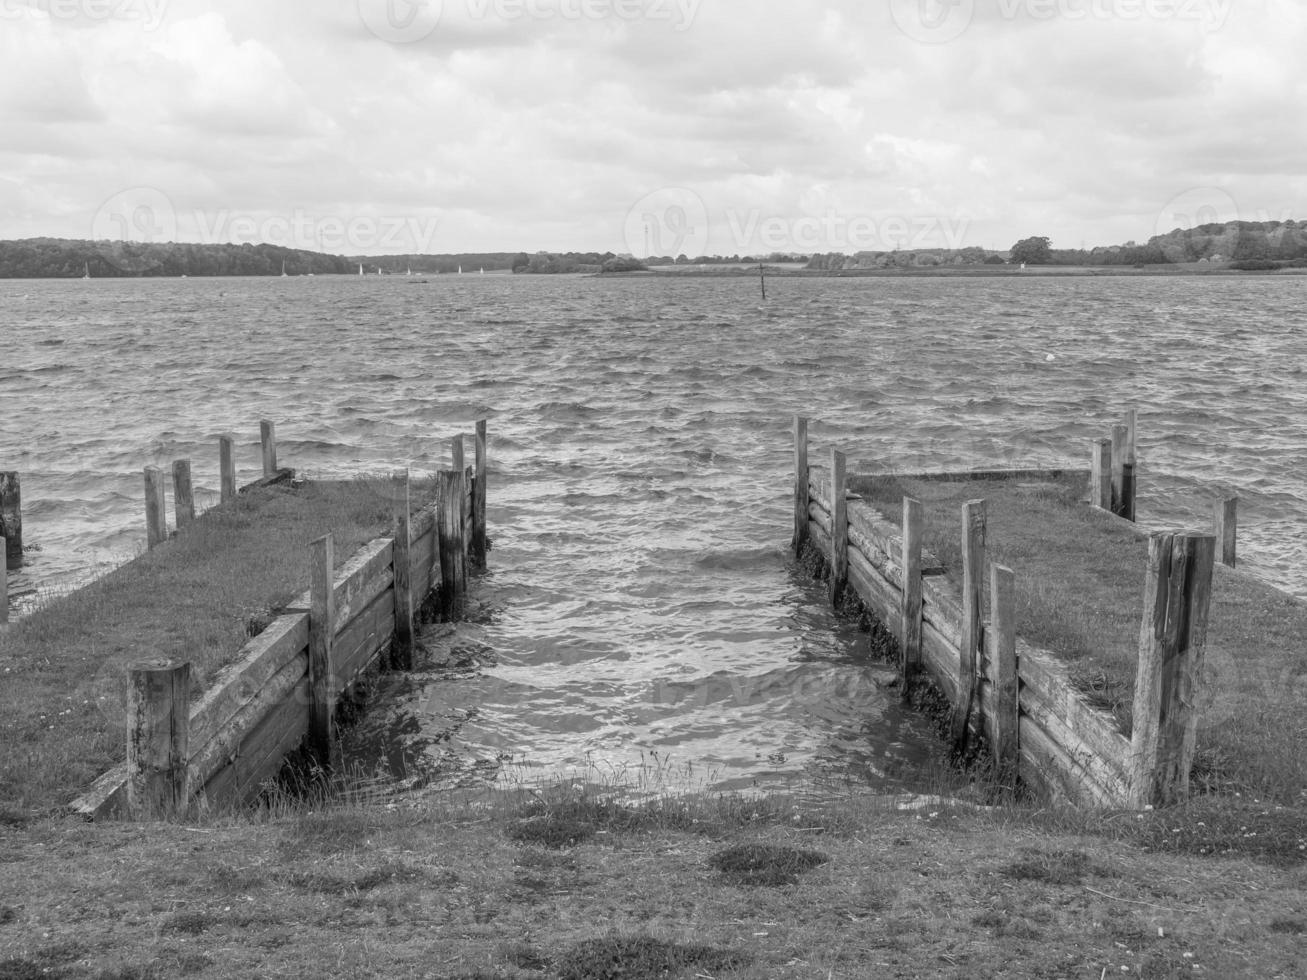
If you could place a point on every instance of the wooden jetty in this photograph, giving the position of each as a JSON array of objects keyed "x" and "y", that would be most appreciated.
[{"x": 1019, "y": 699}]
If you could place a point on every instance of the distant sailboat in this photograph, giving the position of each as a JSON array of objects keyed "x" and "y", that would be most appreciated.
[
  {"x": 360, "y": 268},
  {"x": 87, "y": 274},
  {"x": 483, "y": 272},
  {"x": 410, "y": 271},
  {"x": 460, "y": 270},
  {"x": 283, "y": 268}
]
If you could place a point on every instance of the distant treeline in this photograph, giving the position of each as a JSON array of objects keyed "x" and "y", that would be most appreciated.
[{"x": 1240, "y": 244}]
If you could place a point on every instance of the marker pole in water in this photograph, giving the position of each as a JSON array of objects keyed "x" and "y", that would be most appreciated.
[{"x": 762, "y": 281}]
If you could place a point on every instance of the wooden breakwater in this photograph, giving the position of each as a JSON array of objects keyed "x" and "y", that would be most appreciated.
[
  {"x": 1018, "y": 698},
  {"x": 283, "y": 688}
]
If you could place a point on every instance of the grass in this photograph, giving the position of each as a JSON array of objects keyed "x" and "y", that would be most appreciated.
[
  {"x": 777, "y": 886},
  {"x": 1080, "y": 587},
  {"x": 200, "y": 598}
]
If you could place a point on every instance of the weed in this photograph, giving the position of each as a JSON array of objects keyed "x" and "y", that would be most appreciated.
[
  {"x": 1050, "y": 867},
  {"x": 640, "y": 958},
  {"x": 765, "y": 864}
]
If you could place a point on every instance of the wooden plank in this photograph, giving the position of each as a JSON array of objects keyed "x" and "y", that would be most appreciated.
[
  {"x": 106, "y": 797},
  {"x": 880, "y": 597},
  {"x": 183, "y": 497},
  {"x": 235, "y": 685},
  {"x": 226, "y": 470},
  {"x": 421, "y": 553},
  {"x": 1100, "y": 480},
  {"x": 973, "y": 564},
  {"x": 356, "y": 583},
  {"x": 367, "y": 635},
  {"x": 268, "y": 443},
  {"x": 800, "y": 482},
  {"x": 1227, "y": 529},
  {"x": 158, "y": 747},
  {"x": 1108, "y": 774},
  {"x": 479, "y": 540},
  {"x": 1172, "y": 644},
  {"x": 862, "y": 482},
  {"x": 910, "y": 611},
  {"x": 1002, "y": 635},
  {"x": 285, "y": 731},
  {"x": 402, "y": 562},
  {"x": 11, "y": 518},
  {"x": 839, "y": 577},
  {"x": 322, "y": 617},
  {"x": 453, "y": 546},
  {"x": 1051, "y": 768},
  {"x": 156, "y": 517},
  {"x": 281, "y": 477}
]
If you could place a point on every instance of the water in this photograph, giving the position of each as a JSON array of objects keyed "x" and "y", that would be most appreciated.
[{"x": 642, "y": 607}]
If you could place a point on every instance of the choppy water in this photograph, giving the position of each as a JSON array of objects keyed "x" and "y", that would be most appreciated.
[{"x": 642, "y": 599}]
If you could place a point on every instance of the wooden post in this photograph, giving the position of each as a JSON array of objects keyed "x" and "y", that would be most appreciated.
[
  {"x": 158, "y": 740},
  {"x": 322, "y": 620},
  {"x": 183, "y": 497},
  {"x": 456, "y": 453},
  {"x": 1227, "y": 528},
  {"x": 1172, "y": 643},
  {"x": 913, "y": 528},
  {"x": 226, "y": 469},
  {"x": 973, "y": 571},
  {"x": 1003, "y": 671},
  {"x": 403, "y": 570},
  {"x": 11, "y": 518},
  {"x": 1128, "y": 468},
  {"x": 800, "y": 483},
  {"x": 451, "y": 489},
  {"x": 1120, "y": 436},
  {"x": 4, "y": 582},
  {"x": 479, "y": 543},
  {"x": 156, "y": 515},
  {"x": 839, "y": 530},
  {"x": 268, "y": 437},
  {"x": 1100, "y": 480}
]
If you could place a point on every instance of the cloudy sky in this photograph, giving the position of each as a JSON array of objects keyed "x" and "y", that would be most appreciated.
[{"x": 665, "y": 126}]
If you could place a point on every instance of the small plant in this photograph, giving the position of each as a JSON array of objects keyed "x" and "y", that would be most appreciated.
[{"x": 769, "y": 865}]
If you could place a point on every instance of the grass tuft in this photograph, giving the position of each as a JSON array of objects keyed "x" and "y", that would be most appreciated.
[
  {"x": 767, "y": 865},
  {"x": 1050, "y": 867},
  {"x": 640, "y": 958}
]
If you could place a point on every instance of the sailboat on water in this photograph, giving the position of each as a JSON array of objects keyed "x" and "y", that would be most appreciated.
[
  {"x": 360, "y": 268},
  {"x": 283, "y": 268},
  {"x": 87, "y": 274}
]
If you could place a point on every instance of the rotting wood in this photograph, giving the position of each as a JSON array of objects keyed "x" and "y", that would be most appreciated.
[
  {"x": 158, "y": 747},
  {"x": 480, "y": 544},
  {"x": 910, "y": 613},
  {"x": 368, "y": 635},
  {"x": 1100, "y": 480},
  {"x": 4, "y": 582},
  {"x": 1172, "y": 643},
  {"x": 403, "y": 567},
  {"x": 183, "y": 496},
  {"x": 1227, "y": 529},
  {"x": 268, "y": 442},
  {"x": 453, "y": 548},
  {"x": 1120, "y": 440},
  {"x": 800, "y": 483},
  {"x": 322, "y": 617},
  {"x": 839, "y": 577},
  {"x": 1003, "y": 670},
  {"x": 11, "y": 518},
  {"x": 226, "y": 470},
  {"x": 973, "y": 565},
  {"x": 156, "y": 516},
  {"x": 1129, "y": 472}
]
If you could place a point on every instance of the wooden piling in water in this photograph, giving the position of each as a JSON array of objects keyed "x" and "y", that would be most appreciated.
[
  {"x": 4, "y": 583},
  {"x": 910, "y": 610},
  {"x": 451, "y": 490},
  {"x": 403, "y": 573},
  {"x": 973, "y": 570},
  {"x": 839, "y": 531},
  {"x": 322, "y": 622},
  {"x": 800, "y": 483},
  {"x": 158, "y": 740},
  {"x": 1120, "y": 436},
  {"x": 183, "y": 496},
  {"x": 456, "y": 453},
  {"x": 1100, "y": 479},
  {"x": 1172, "y": 644},
  {"x": 479, "y": 542},
  {"x": 268, "y": 439},
  {"x": 226, "y": 469},
  {"x": 11, "y": 518},
  {"x": 1227, "y": 529},
  {"x": 1003, "y": 671},
  {"x": 1128, "y": 467},
  {"x": 156, "y": 515}
]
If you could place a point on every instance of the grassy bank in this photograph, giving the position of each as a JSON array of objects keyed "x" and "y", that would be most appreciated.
[
  {"x": 573, "y": 884},
  {"x": 199, "y": 598},
  {"x": 1080, "y": 587}
]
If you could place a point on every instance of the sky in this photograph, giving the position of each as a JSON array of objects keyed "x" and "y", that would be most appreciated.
[{"x": 380, "y": 127}]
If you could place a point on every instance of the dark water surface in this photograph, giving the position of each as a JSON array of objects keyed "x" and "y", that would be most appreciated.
[{"x": 641, "y": 599}]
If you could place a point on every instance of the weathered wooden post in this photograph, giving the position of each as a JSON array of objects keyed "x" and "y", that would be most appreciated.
[
  {"x": 1120, "y": 436},
  {"x": 800, "y": 483},
  {"x": 1172, "y": 643},
  {"x": 4, "y": 583},
  {"x": 183, "y": 496},
  {"x": 268, "y": 438},
  {"x": 322, "y": 635},
  {"x": 1227, "y": 528},
  {"x": 973, "y": 571},
  {"x": 456, "y": 453},
  {"x": 226, "y": 469},
  {"x": 839, "y": 527},
  {"x": 910, "y": 612},
  {"x": 1128, "y": 467},
  {"x": 479, "y": 543},
  {"x": 451, "y": 491},
  {"x": 403, "y": 569},
  {"x": 158, "y": 740},
  {"x": 1100, "y": 480},
  {"x": 156, "y": 514},
  {"x": 1003, "y": 671},
  {"x": 11, "y": 518}
]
